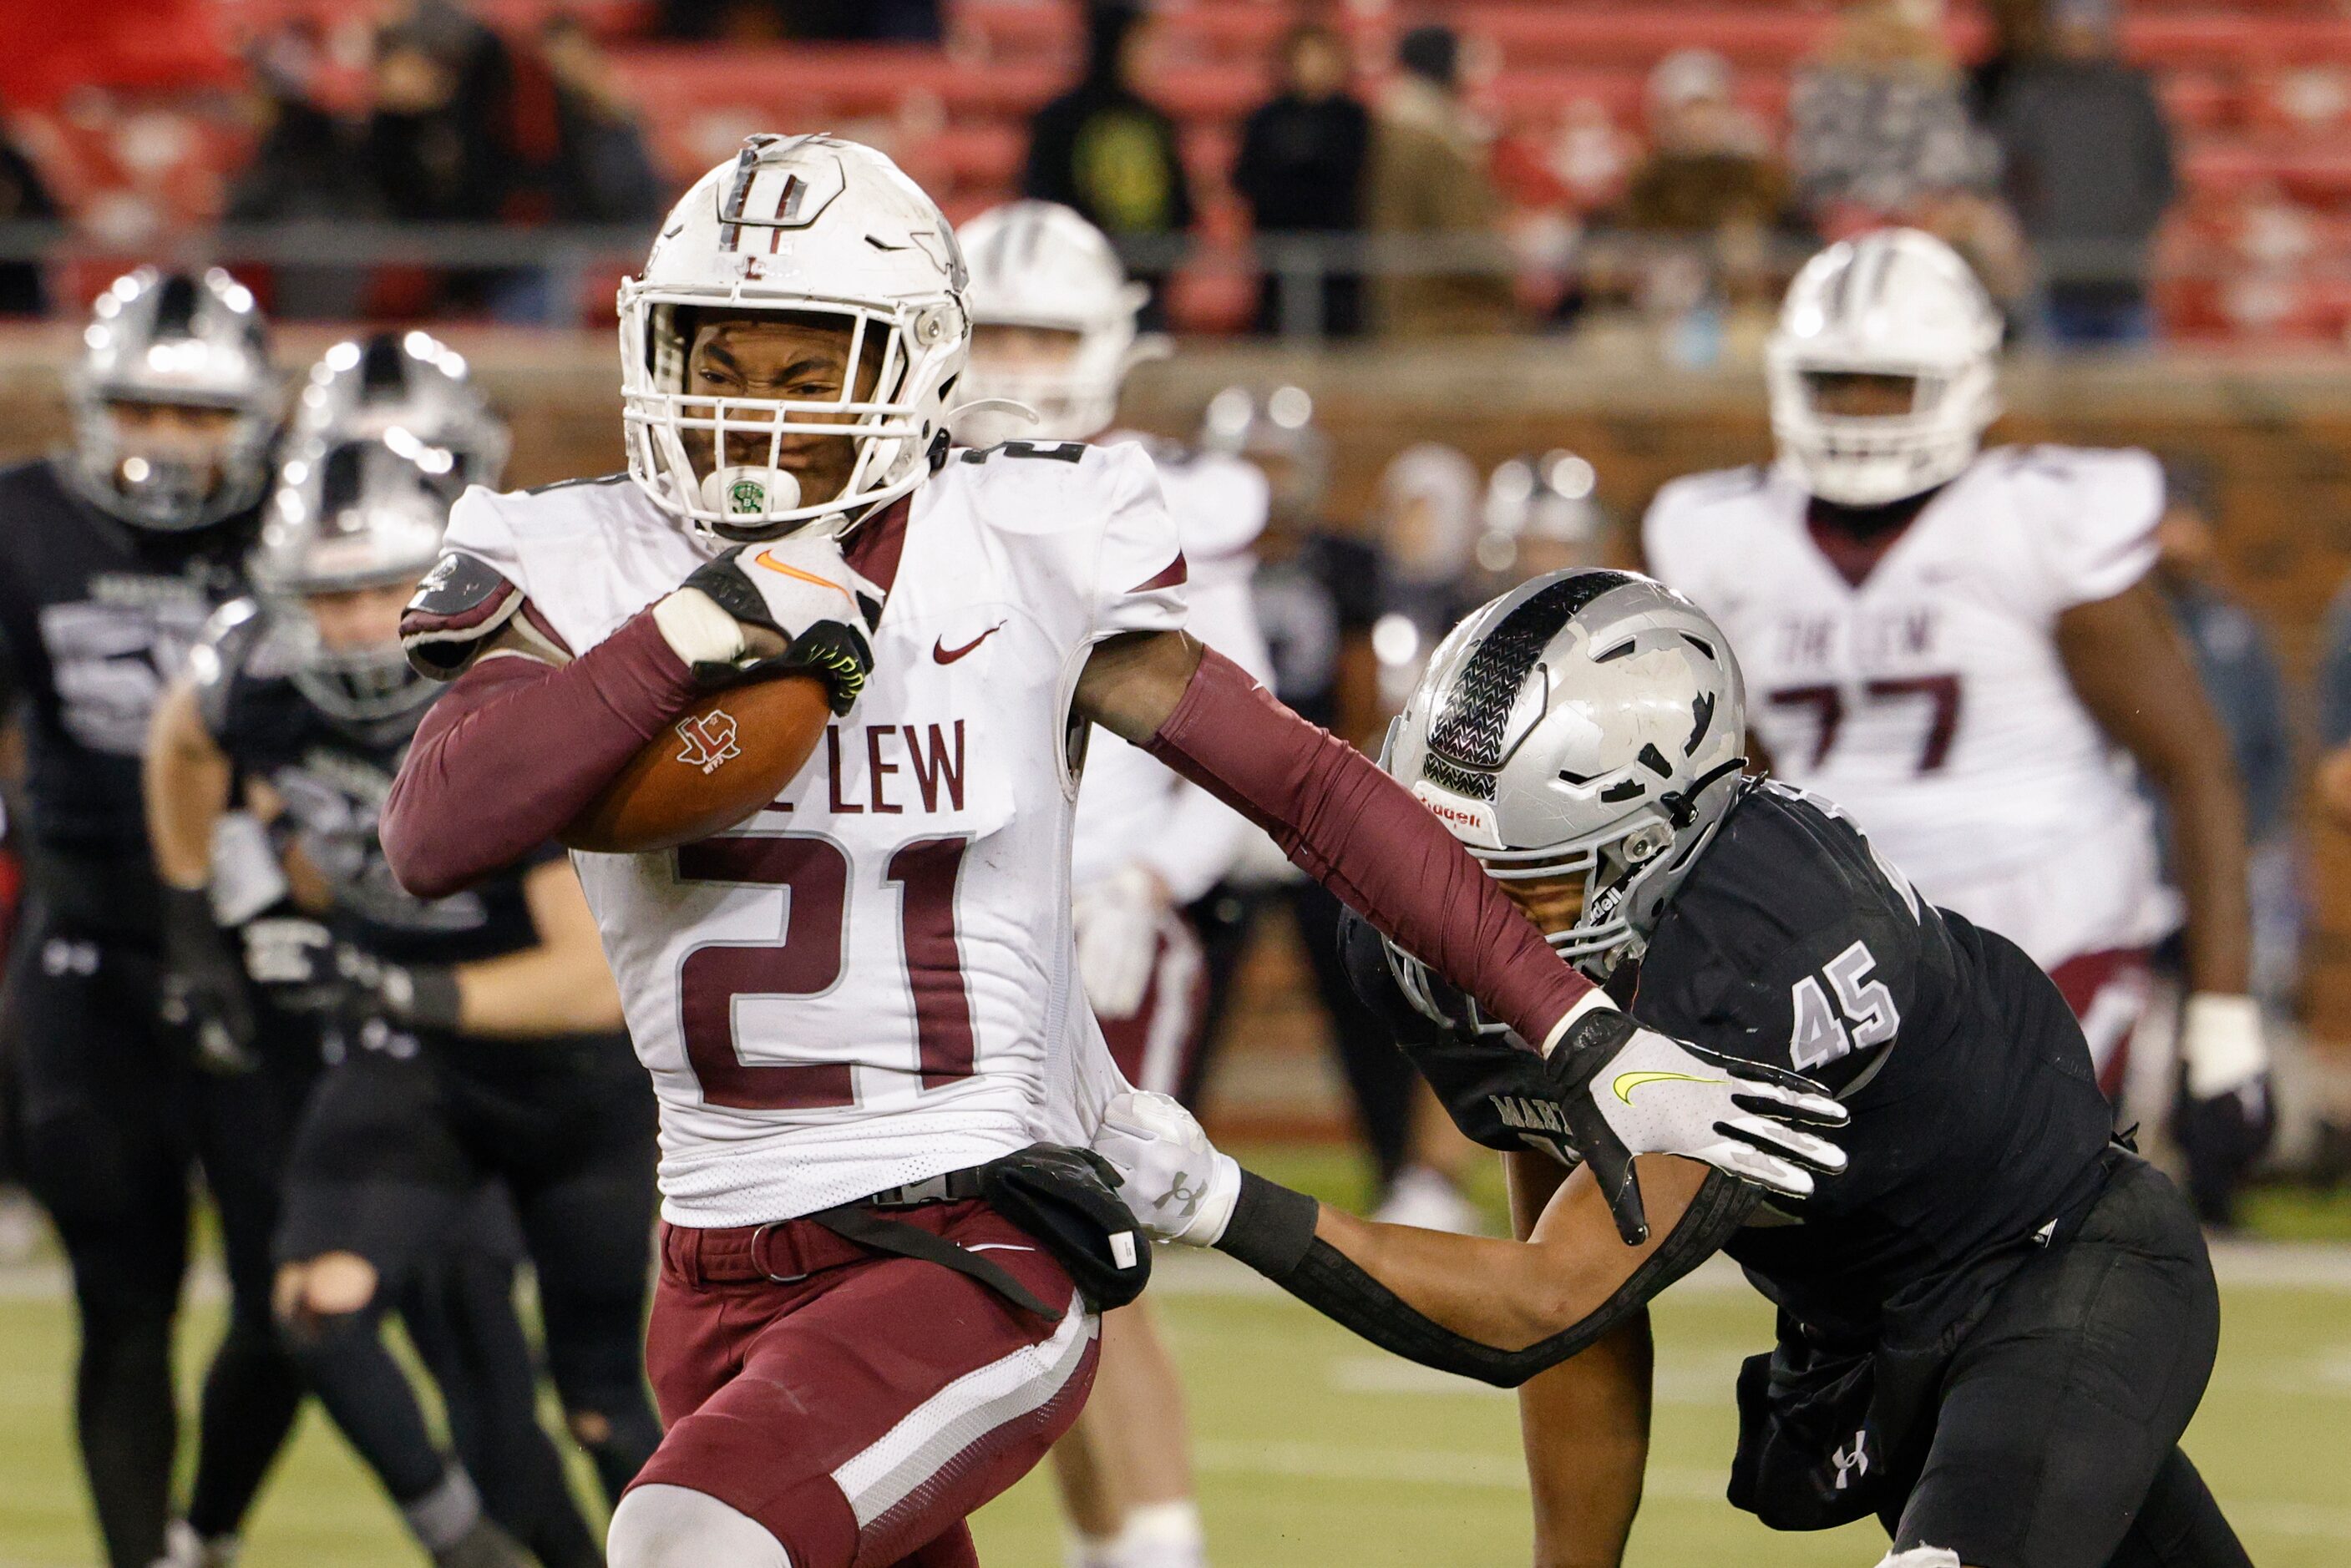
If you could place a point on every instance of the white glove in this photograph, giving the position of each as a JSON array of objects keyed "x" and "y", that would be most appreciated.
[
  {"x": 1179, "y": 1188},
  {"x": 1626, "y": 1090},
  {"x": 1117, "y": 920},
  {"x": 2220, "y": 1043}
]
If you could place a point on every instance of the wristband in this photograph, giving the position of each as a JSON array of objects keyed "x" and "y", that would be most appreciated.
[{"x": 1272, "y": 1228}]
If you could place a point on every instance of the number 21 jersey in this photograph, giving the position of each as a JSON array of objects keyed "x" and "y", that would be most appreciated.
[
  {"x": 871, "y": 981},
  {"x": 1928, "y": 698}
]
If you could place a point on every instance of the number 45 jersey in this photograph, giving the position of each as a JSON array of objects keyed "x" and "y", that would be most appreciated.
[
  {"x": 1926, "y": 695},
  {"x": 871, "y": 981}
]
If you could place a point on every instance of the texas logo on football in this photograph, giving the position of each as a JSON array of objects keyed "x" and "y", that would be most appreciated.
[{"x": 709, "y": 741}]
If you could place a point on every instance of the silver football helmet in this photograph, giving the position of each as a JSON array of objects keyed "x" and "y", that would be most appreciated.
[
  {"x": 412, "y": 391},
  {"x": 179, "y": 340},
  {"x": 1277, "y": 433},
  {"x": 363, "y": 514},
  {"x": 1540, "y": 506},
  {"x": 1590, "y": 723}
]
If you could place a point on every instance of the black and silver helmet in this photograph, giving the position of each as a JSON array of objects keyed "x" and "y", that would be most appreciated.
[
  {"x": 412, "y": 391},
  {"x": 1587, "y": 722},
  {"x": 361, "y": 515},
  {"x": 185, "y": 339}
]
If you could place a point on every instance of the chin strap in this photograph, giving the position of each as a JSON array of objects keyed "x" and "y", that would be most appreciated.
[{"x": 1000, "y": 405}]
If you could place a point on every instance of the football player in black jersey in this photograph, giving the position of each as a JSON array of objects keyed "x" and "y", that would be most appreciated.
[
  {"x": 1993, "y": 1326},
  {"x": 112, "y": 553},
  {"x": 470, "y": 1037}
]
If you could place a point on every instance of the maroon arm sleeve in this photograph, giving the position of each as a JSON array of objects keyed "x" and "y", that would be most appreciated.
[
  {"x": 1362, "y": 834},
  {"x": 514, "y": 748}
]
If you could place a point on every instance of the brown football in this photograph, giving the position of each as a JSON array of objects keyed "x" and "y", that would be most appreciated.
[{"x": 716, "y": 763}]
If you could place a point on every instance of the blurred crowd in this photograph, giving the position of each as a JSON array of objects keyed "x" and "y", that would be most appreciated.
[{"x": 2048, "y": 161}]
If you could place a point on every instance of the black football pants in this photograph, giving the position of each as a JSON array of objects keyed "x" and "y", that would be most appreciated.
[
  {"x": 110, "y": 1123},
  {"x": 2056, "y": 1438}
]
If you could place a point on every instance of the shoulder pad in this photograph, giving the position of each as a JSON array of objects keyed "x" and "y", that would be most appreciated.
[{"x": 459, "y": 605}]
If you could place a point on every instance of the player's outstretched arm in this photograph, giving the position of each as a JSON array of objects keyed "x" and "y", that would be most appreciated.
[
  {"x": 1362, "y": 834},
  {"x": 1496, "y": 1311},
  {"x": 186, "y": 780}
]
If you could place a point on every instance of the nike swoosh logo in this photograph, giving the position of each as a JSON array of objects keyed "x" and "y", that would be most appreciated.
[
  {"x": 1627, "y": 1082},
  {"x": 765, "y": 559},
  {"x": 945, "y": 655}
]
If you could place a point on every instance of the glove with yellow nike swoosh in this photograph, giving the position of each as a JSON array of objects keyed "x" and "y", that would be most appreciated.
[
  {"x": 801, "y": 591},
  {"x": 1626, "y": 1090}
]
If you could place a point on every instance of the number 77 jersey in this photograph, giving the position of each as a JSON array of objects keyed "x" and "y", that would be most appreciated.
[
  {"x": 871, "y": 980},
  {"x": 1919, "y": 683}
]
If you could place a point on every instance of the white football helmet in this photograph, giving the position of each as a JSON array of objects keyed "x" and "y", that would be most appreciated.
[
  {"x": 181, "y": 338},
  {"x": 1039, "y": 265},
  {"x": 409, "y": 389},
  {"x": 1894, "y": 303},
  {"x": 805, "y": 226}
]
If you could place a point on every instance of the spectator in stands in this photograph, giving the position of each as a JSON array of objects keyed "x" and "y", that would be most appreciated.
[
  {"x": 439, "y": 140},
  {"x": 773, "y": 21},
  {"x": 603, "y": 173},
  {"x": 1710, "y": 176},
  {"x": 22, "y": 200},
  {"x": 1301, "y": 165},
  {"x": 1879, "y": 121},
  {"x": 2089, "y": 172},
  {"x": 308, "y": 165},
  {"x": 1105, "y": 150},
  {"x": 1429, "y": 177}
]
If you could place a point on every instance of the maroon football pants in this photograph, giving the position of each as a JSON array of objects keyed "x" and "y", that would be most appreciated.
[{"x": 862, "y": 1409}]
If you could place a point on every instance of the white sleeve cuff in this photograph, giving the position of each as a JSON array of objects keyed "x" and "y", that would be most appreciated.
[{"x": 1592, "y": 1001}]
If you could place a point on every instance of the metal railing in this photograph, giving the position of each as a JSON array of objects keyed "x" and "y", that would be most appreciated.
[{"x": 1306, "y": 265}]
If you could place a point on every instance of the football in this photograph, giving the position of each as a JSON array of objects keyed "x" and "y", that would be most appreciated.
[{"x": 715, "y": 764}]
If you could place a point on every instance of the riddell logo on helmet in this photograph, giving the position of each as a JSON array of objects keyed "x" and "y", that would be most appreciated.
[
  {"x": 1469, "y": 820},
  {"x": 709, "y": 742}
]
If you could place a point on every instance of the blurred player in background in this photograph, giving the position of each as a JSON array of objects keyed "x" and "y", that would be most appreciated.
[
  {"x": 1962, "y": 648},
  {"x": 867, "y": 1323},
  {"x": 1319, "y": 596},
  {"x": 1053, "y": 329},
  {"x": 1540, "y": 516},
  {"x": 112, "y": 554},
  {"x": 471, "y": 1037}
]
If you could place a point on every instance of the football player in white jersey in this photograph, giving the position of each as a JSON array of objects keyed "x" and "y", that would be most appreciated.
[
  {"x": 860, "y": 1006},
  {"x": 1960, "y": 647},
  {"x": 1053, "y": 335}
]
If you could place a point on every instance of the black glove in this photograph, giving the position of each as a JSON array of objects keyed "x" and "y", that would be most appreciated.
[
  {"x": 2222, "y": 1137},
  {"x": 804, "y": 591},
  {"x": 204, "y": 999},
  {"x": 1626, "y": 1090},
  {"x": 305, "y": 969}
]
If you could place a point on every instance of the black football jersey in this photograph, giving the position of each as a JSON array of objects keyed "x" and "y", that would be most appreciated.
[
  {"x": 333, "y": 775},
  {"x": 97, "y": 617},
  {"x": 1976, "y": 1117}
]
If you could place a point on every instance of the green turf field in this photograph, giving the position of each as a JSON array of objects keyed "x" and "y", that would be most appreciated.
[{"x": 1316, "y": 1449}]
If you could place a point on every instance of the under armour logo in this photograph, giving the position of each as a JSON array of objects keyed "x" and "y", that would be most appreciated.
[
  {"x": 1183, "y": 1190},
  {"x": 708, "y": 742},
  {"x": 1852, "y": 1461}
]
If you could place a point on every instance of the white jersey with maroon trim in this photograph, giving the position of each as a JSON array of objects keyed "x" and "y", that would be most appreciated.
[
  {"x": 1133, "y": 809},
  {"x": 871, "y": 981},
  {"x": 1928, "y": 698}
]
